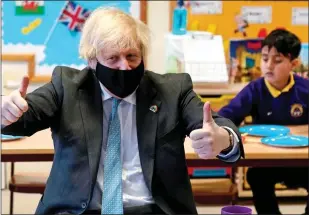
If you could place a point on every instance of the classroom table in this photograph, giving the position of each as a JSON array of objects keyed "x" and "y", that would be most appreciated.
[{"x": 39, "y": 147}]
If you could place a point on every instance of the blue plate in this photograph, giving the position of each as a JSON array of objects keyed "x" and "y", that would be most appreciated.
[
  {"x": 265, "y": 130},
  {"x": 5, "y": 137},
  {"x": 289, "y": 141}
]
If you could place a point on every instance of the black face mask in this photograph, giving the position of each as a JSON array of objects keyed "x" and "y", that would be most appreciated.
[{"x": 120, "y": 82}]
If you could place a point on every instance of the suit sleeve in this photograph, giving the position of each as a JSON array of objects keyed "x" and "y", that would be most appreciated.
[
  {"x": 192, "y": 111},
  {"x": 44, "y": 104},
  {"x": 234, "y": 154},
  {"x": 240, "y": 106}
]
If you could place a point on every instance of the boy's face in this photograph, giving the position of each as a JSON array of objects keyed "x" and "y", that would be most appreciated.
[{"x": 275, "y": 66}]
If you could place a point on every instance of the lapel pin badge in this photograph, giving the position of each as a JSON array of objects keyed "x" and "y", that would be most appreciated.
[{"x": 154, "y": 108}]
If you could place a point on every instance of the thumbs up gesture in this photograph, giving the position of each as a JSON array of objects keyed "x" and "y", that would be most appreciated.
[
  {"x": 14, "y": 105},
  {"x": 211, "y": 139}
]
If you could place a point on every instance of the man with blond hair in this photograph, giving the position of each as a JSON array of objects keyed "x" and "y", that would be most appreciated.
[{"x": 119, "y": 130}]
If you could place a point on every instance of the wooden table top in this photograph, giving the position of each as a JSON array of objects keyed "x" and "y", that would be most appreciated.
[
  {"x": 41, "y": 143},
  {"x": 218, "y": 89}
]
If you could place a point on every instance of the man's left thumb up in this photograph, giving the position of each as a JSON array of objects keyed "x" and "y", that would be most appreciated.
[{"x": 207, "y": 119}]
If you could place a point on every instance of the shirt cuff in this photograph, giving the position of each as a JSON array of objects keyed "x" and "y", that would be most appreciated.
[{"x": 234, "y": 154}]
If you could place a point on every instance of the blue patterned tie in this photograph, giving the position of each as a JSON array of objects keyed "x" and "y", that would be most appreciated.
[{"x": 112, "y": 178}]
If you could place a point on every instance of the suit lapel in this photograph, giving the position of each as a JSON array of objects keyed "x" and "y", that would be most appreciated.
[
  {"x": 147, "y": 107},
  {"x": 91, "y": 109}
]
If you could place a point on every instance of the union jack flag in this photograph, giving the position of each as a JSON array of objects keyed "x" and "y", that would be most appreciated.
[{"x": 74, "y": 16}]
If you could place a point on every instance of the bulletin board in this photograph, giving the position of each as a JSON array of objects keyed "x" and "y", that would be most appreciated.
[
  {"x": 225, "y": 23},
  {"x": 51, "y": 30}
]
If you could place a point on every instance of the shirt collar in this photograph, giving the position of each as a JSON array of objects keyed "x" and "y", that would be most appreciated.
[
  {"x": 130, "y": 98},
  {"x": 274, "y": 92}
]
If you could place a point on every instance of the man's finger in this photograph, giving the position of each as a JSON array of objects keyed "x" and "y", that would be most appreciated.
[
  {"x": 5, "y": 122},
  {"x": 8, "y": 116},
  {"x": 202, "y": 143},
  {"x": 199, "y": 134},
  {"x": 14, "y": 110},
  {"x": 203, "y": 150},
  {"x": 208, "y": 155},
  {"x": 23, "y": 86},
  {"x": 199, "y": 144},
  {"x": 20, "y": 102},
  {"x": 207, "y": 113}
]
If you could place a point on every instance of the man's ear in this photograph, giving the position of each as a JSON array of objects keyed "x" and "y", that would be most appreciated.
[
  {"x": 92, "y": 63},
  {"x": 295, "y": 63}
]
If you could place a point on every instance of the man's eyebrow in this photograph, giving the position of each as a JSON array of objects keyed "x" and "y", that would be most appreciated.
[{"x": 109, "y": 53}]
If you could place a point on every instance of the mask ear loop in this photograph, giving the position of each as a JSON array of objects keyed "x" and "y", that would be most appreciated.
[
  {"x": 94, "y": 70},
  {"x": 91, "y": 63}
]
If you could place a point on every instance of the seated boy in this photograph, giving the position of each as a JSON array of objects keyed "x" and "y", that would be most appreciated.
[{"x": 277, "y": 98}]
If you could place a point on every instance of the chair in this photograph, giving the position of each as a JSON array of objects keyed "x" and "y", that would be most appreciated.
[
  {"x": 25, "y": 183},
  {"x": 215, "y": 191}
]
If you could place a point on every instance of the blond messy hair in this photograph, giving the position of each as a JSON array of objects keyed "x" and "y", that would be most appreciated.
[{"x": 111, "y": 27}]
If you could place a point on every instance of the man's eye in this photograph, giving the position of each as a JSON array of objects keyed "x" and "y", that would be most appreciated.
[
  {"x": 112, "y": 58},
  {"x": 132, "y": 56}
]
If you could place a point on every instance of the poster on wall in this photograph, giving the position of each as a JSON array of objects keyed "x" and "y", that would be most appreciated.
[
  {"x": 205, "y": 7},
  {"x": 303, "y": 68},
  {"x": 51, "y": 30},
  {"x": 245, "y": 56},
  {"x": 257, "y": 14},
  {"x": 300, "y": 16}
]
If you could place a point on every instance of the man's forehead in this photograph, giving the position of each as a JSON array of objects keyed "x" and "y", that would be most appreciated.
[
  {"x": 116, "y": 51},
  {"x": 109, "y": 50}
]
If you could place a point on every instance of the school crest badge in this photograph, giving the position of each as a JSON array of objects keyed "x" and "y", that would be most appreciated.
[{"x": 296, "y": 110}]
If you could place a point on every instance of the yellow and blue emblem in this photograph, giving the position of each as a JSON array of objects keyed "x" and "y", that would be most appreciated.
[{"x": 296, "y": 110}]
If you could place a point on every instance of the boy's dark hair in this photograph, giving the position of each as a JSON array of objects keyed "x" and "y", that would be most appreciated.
[{"x": 284, "y": 41}]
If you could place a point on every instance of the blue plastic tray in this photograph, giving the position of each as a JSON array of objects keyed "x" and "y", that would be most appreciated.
[
  {"x": 289, "y": 141},
  {"x": 265, "y": 130},
  {"x": 5, "y": 137}
]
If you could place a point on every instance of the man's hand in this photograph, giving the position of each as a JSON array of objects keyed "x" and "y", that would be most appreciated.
[
  {"x": 210, "y": 140},
  {"x": 14, "y": 105}
]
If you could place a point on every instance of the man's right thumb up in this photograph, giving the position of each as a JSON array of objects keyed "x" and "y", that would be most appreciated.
[
  {"x": 23, "y": 86},
  {"x": 14, "y": 105}
]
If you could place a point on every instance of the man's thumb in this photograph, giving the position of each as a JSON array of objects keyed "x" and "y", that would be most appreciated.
[
  {"x": 23, "y": 86},
  {"x": 207, "y": 113}
]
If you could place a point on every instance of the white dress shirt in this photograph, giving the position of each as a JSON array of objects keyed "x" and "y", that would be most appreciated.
[{"x": 135, "y": 191}]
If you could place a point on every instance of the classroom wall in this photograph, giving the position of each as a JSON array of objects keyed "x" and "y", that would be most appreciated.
[
  {"x": 225, "y": 22},
  {"x": 158, "y": 21}
]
